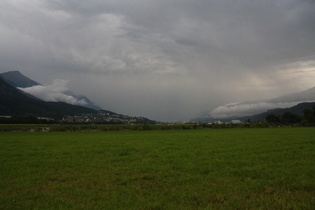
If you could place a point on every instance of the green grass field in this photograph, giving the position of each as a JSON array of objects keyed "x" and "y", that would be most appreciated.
[{"x": 267, "y": 168}]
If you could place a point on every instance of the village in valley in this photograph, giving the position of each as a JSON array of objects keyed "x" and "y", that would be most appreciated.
[{"x": 105, "y": 118}]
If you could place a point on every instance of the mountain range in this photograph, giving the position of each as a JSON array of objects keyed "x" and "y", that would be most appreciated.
[
  {"x": 297, "y": 109},
  {"x": 18, "y": 80},
  {"x": 258, "y": 110},
  {"x": 15, "y": 102}
]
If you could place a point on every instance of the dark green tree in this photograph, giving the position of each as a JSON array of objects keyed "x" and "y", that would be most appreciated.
[
  {"x": 289, "y": 117},
  {"x": 272, "y": 118},
  {"x": 309, "y": 115}
]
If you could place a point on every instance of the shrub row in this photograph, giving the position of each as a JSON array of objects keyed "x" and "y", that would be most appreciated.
[{"x": 138, "y": 127}]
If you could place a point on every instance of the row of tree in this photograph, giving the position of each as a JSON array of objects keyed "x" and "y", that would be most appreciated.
[
  {"x": 27, "y": 119},
  {"x": 308, "y": 117}
]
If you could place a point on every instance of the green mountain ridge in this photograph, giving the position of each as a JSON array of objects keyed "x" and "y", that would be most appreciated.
[
  {"x": 297, "y": 109},
  {"x": 17, "y": 79},
  {"x": 293, "y": 102},
  {"x": 14, "y": 102}
]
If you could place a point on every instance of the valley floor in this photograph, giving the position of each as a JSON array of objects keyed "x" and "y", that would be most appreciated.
[{"x": 266, "y": 168}]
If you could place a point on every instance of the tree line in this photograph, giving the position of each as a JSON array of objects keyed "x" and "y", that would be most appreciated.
[{"x": 308, "y": 117}]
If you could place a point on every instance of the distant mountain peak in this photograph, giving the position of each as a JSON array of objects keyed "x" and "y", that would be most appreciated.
[
  {"x": 13, "y": 72},
  {"x": 17, "y": 79}
]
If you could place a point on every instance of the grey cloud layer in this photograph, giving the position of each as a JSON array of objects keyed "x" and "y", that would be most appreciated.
[{"x": 184, "y": 56}]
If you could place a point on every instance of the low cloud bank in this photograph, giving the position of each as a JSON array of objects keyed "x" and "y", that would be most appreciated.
[
  {"x": 53, "y": 93},
  {"x": 248, "y": 109}
]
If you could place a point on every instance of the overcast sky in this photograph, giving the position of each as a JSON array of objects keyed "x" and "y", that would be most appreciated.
[{"x": 162, "y": 59}]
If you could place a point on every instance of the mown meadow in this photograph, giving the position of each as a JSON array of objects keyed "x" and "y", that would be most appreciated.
[{"x": 239, "y": 168}]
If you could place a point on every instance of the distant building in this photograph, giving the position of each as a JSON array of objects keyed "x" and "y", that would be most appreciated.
[
  {"x": 3, "y": 116},
  {"x": 45, "y": 118},
  {"x": 236, "y": 121}
]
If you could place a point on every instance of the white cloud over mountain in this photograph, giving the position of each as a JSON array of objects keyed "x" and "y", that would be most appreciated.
[
  {"x": 252, "y": 108},
  {"x": 248, "y": 109},
  {"x": 55, "y": 92}
]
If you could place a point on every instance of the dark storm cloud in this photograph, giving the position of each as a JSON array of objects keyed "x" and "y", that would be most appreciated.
[{"x": 162, "y": 59}]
